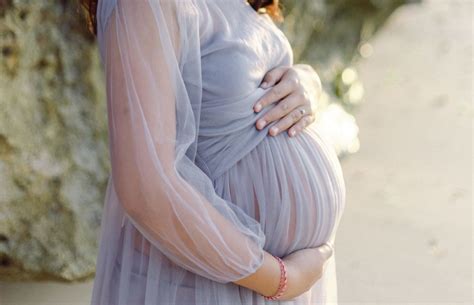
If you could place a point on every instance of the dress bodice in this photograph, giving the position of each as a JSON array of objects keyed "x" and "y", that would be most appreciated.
[{"x": 238, "y": 46}]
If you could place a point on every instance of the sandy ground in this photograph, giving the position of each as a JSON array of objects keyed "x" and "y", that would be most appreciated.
[{"x": 406, "y": 234}]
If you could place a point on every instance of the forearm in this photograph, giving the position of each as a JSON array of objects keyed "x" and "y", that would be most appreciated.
[
  {"x": 181, "y": 222},
  {"x": 266, "y": 279},
  {"x": 304, "y": 268}
]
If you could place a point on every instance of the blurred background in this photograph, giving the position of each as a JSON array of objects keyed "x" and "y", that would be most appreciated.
[{"x": 397, "y": 107}]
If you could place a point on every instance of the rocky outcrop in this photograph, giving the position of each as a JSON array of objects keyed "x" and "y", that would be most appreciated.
[{"x": 53, "y": 149}]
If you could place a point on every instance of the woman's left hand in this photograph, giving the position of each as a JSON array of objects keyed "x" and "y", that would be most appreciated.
[{"x": 297, "y": 89}]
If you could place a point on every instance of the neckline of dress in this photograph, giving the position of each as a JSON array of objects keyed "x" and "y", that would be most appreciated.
[{"x": 253, "y": 12}]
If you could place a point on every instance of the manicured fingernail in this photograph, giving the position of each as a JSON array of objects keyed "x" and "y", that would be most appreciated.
[
  {"x": 258, "y": 107},
  {"x": 261, "y": 123},
  {"x": 264, "y": 85},
  {"x": 274, "y": 130},
  {"x": 292, "y": 133}
]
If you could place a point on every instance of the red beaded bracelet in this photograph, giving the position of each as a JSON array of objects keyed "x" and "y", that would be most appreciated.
[{"x": 283, "y": 281}]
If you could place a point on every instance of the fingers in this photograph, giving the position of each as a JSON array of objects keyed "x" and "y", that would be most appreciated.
[
  {"x": 273, "y": 76},
  {"x": 295, "y": 107},
  {"x": 276, "y": 93},
  {"x": 281, "y": 87},
  {"x": 306, "y": 120},
  {"x": 283, "y": 108},
  {"x": 289, "y": 120},
  {"x": 291, "y": 112}
]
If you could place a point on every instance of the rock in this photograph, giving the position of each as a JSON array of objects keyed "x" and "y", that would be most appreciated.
[{"x": 53, "y": 149}]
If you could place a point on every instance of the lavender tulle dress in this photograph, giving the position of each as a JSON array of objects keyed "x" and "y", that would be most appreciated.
[{"x": 196, "y": 192}]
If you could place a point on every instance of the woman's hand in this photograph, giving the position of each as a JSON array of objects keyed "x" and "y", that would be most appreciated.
[
  {"x": 304, "y": 268},
  {"x": 297, "y": 89}
]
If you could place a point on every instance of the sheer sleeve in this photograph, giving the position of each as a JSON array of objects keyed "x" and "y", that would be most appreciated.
[{"x": 151, "y": 56}]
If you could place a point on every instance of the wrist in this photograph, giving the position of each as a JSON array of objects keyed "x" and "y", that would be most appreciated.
[
  {"x": 282, "y": 281},
  {"x": 294, "y": 279}
]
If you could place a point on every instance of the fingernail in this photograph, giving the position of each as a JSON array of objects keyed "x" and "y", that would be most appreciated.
[
  {"x": 264, "y": 85},
  {"x": 258, "y": 107},
  {"x": 261, "y": 124},
  {"x": 292, "y": 133},
  {"x": 274, "y": 130}
]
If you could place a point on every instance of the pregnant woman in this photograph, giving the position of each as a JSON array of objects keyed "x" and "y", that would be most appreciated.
[{"x": 203, "y": 207}]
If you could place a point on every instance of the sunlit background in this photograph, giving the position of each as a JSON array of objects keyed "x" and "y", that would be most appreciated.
[{"x": 397, "y": 107}]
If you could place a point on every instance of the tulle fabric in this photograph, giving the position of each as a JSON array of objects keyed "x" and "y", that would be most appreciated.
[{"x": 196, "y": 193}]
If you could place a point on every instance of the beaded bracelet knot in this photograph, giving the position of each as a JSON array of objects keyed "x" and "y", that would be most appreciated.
[{"x": 283, "y": 281}]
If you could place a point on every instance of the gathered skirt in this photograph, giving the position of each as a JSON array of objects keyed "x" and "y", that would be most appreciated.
[{"x": 293, "y": 186}]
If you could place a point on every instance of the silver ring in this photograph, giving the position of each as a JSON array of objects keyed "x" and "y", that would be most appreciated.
[{"x": 302, "y": 111}]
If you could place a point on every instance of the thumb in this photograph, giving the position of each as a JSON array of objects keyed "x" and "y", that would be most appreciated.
[
  {"x": 326, "y": 250},
  {"x": 273, "y": 76}
]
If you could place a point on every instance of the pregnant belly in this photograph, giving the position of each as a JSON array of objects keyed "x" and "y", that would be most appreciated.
[{"x": 293, "y": 186}]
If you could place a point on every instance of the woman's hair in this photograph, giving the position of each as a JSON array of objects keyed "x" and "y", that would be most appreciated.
[{"x": 271, "y": 7}]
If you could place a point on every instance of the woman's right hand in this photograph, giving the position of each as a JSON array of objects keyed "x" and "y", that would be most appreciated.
[{"x": 304, "y": 268}]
